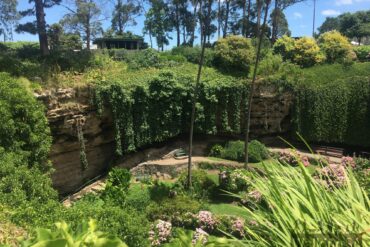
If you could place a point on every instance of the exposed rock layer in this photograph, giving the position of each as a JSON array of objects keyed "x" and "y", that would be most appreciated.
[{"x": 71, "y": 106}]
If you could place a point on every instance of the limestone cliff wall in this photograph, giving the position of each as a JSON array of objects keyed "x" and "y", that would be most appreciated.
[{"x": 71, "y": 106}]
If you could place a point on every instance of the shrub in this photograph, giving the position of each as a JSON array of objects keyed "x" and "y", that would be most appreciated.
[
  {"x": 160, "y": 190},
  {"x": 234, "y": 53},
  {"x": 307, "y": 53},
  {"x": 234, "y": 150},
  {"x": 173, "y": 209},
  {"x": 128, "y": 224},
  {"x": 285, "y": 47},
  {"x": 270, "y": 64},
  {"x": 362, "y": 52},
  {"x": 235, "y": 181},
  {"x": 335, "y": 46},
  {"x": 202, "y": 185},
  {"x": 138, "y": 198},
  {"x": 160, "y": 233},
  {"x": 20, "y": 184},
  {"x": 143, "y": 59},
  {"x": 24, "y": 128},
  {"x": 257, "y": 151},
  {"x": 64, "y": 236},
  {"x": 216, "y": 151},
  {"x": 192, "y": 54},
  {"x": 117, "y": 185}
]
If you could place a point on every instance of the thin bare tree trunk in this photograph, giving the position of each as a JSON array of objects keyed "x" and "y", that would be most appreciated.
[
  {"x": 219, "y": 20},
  {"x": 260, "y": 34},
  {"x": 41, "y": 27},
  {"x": 243, "y": 18},
  {"x": 275, "y": 22},
  {"x": 259, "y": 9},
  {"x": 248, "y": 15},
  {"x": 226, "y": 18},
  {"x": 191, "y": 42},
  {"x": 195, "y": 96}
]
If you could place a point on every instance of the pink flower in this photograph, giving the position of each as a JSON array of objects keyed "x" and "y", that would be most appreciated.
[
  {"x": 160, "y": 233},
  {"x": 238, "y": 226},
  {"x": 200, "y": 235},
  {"x": 206, "y": 220},
  {"x": 348, "y": 161}
]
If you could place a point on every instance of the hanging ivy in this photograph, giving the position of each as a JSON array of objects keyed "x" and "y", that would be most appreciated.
[{"x": 81, "y": 141}]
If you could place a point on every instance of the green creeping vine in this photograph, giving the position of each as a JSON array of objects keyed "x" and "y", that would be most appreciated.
[
  {"x": 159, "y": 107},
  {"x": 336, "y": 112}
]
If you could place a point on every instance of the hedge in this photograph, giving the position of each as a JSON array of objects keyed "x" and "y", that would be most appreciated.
[{"x": 336, "y": 112}]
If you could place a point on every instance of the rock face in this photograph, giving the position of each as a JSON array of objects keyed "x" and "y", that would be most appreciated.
[{"x": 71, "y": 108}]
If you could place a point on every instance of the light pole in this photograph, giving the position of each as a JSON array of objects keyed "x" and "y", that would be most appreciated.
[{"x": 314, "y": 17}]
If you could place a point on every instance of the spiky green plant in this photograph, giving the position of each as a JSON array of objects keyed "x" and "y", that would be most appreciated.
[
  {"x": 64, "y": 237},
  {"x": 302, "y": 211}
]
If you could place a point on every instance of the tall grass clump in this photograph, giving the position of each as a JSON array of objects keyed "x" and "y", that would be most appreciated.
[{"x": 302, "y": 211}]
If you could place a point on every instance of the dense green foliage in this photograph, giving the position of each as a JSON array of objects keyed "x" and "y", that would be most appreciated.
[
  {"x": 152, "y": 106},
  {"x": 363, "y": 53},
  {"x": 336, "y": 112},
  {"x": 335, "y": 46},
  {"x": 24, "y": 127},
  {"x": 234, "y": 150},
  {"x": 234, "y": 53},
  {"x": 64, "y": 237},
  {"x": 300, "y": 206},
  {"x": 192, "y": 54}
]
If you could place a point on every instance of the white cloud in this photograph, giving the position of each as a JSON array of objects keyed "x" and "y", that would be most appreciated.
[
  {"x": 330, "y": 12},
  {"x": 297, "y": 15},
  {"x": 349, "y": 2},
  {"x": 343, "y": 2}
]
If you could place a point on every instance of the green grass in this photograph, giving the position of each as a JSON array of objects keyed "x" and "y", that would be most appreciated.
[
  {"x": 327, "y": 73},
  {"x": 228, "y": 209}
]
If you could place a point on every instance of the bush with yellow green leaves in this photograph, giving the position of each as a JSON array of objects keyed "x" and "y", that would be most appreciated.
[
  {"x": 307, "y": 53},
  {"x": 234, "y": 53},
  {"x": 335, "y": 46}
]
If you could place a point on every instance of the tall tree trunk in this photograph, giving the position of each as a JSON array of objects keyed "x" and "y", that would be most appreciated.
[
  {"x": 219, "y": 20},
  {"x": 41, "y": 27},
  {"x": 120, "y": 21},
  {"x": 248, "y": 16},
  {"x": 191, "y": 42},
  {"x": 88, "y": 37},
  {"x": 177, "y": 24},
  {"x": 259, "y": 10},
  {"x": 195, "y": 97},
  {"x": 260, "y": 34},
  {"x": 150, "y": 38},
  {"x": 243, "y": 17},
  {"x": 314, "y": 18},
  {"x": 226, "y": 17},
  {"x": 275, "y": 21}
]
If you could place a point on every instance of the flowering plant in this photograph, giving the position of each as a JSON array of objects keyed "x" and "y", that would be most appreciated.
[
  {"x": 206, "y": 220},
  {"x": 293, "y": 157},
  {"x": 200, "y": 236},
  {"x": 160, "y": 233},
  {"x": 333, "y": 175},
  {"x": 348, "y": 161}
]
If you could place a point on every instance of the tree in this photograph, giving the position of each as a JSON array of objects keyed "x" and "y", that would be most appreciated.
[
  {"x": 278, "y": 21},
  {"x": 38, "y": 27},
  {"x": 330, "y": 24},
  {"x": 158, "y": 22},
  {"x": 8, "y": 18},
  {"x": 124, "y": 14},
  {"x": 83, "y": 19},
  {"x": 279, "y": 24},
  {"x": 59, "y": 40},
  {"x": 197, "y": 84},
  {"x": 179, "y": 16},
  {"x": 260, "y": 35}
]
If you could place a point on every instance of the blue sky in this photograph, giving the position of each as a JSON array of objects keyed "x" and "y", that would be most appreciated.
[{"x": 299, "y": 16}]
